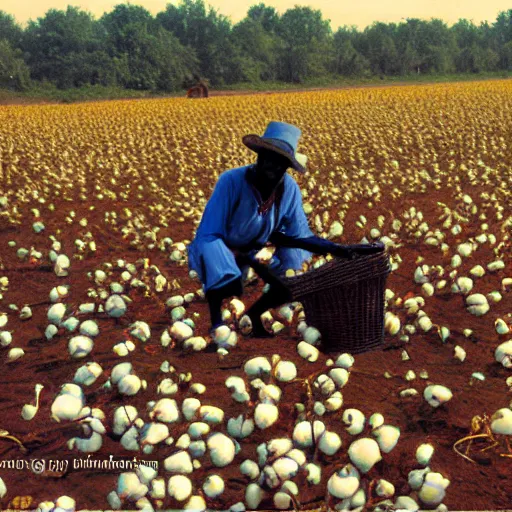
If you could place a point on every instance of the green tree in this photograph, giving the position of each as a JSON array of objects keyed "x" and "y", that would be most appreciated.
[
  {"x": 380, "y": 49},
  {"x": 267, "y": 16},
  {"x": 259, "y": 48},
  {"x": 10, "y": 30},
  {"x": 347, "y": 60},
  {"x": 308, "y": 47},
  {"x": 145, "y": 55},
  {"x": 14, "y": 73},
  {"x": 208, "y": 33},
  {"x": 65, "y": 47},
  {"x": 502, "y": 36}
]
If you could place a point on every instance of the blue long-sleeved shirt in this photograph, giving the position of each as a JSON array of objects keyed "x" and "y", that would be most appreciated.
[{"x": 231, "y": 220}]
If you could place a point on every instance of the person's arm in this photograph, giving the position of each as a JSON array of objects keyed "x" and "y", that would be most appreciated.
[
  {"x": 294, "y": 224},
  {"x": 322, "y": 246},
  {"x": 214, "y": 222},
  {"x": 294, "y": 233},
  {"x": 208, "y": 253}
]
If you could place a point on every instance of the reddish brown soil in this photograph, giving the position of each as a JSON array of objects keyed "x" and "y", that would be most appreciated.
[{"x": 487, "y": 485}]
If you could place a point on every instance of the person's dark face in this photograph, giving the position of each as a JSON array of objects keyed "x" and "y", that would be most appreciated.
[{"x": 271, "y": 167}]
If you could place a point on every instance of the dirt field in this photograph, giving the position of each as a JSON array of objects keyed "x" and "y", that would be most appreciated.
[{"x": 372, "y": 152}]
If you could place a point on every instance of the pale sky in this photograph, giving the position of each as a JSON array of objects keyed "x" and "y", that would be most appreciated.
[{"x": 341, "y": 12}]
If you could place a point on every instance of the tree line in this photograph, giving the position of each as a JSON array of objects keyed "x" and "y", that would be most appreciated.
[{"x": 131, "y": 48}]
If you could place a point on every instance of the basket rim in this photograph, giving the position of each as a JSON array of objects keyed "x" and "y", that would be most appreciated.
[{"x": 317, "y": 275}]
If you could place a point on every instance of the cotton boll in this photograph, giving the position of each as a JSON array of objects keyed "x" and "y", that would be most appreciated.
[
  {"x": 303, "y": 432},
  {"x": 213, "y": 486},
  {"x": 180, "y": 331},
  {"x": 129, "y": 487},
  {"x": 279, "y": 447},
  {"x": 330, "y": 443},
  {"x": 86, "y": 445},
  {"x": 425, "y": 323},
  {"x": 392, "y": 323},
  {"x": 179, "y": 487},
  {"x": 385, "y": 489},
  {"x": 62, "y": 264},
  {"x": 87, "y": 375},
  {"x": 436, "y": 395},
  {"x": 339, "y": 376},
  {"x": 364, "y": 453},
  {"x": 239, "y": 427},
  {"x": 376, "y": 420},
  {"x": 503, "y": 354},
  {"x": 166, "y": 410},
  {"x": 45, "y": 506},
  {"x": 222, "y": 449},
  {"x": 250, "y": 469},
  {"x": 312, "y": 336},
  {"x": 477, "y": 304},
  {"x": 129, "y": 385},
  {"x": 308, "y": 352},
  {"x": 387, "y": 437},
  {"x": 58, "y": 293},
  {"x": 6, "y": 338},
  {"x": 285, "y": 468},
  {"x": 56, "y": 313},
  {"x": 459, "y": 353},
  {"x": 355, "y": 420},
  {"x": 211, "y": 414},
  {"x": 153, "y": 433},
  {"x": 334, "y": 402},
  {"x": 344, "y": 483},
  {"x": 416, "y": 478},
  {"x": 270, "y": 393},
  {"x": 314, "y": 473},
  {"x": 257, "y": 366},
  {"x": 501, "y": 422},
  {"x": 196, "y": 343},
  {"x": 190, "y": 407},
  {"x": 254, "y": 494},
  {"x": 224, "y": 337},
  {"x": 433, "y": 490},
  {"x": 167, "y": 387},
  {"x": 66, "y": 503},
  {"x": 406, "y": 503},
  {"x": 115, "y": 306},
  {"x": 424, "y": 453},
  {"x": 119, "y": 371},
  {"x": 501, "y": 326},
  {"x": 140, "y": 330},
  {"x": 265, "y": 415},
  {"x": 345, "y": 361},
  {"x": 463, "y": 285},
  {"x": 129, "y": 440},
  {"x": 66, "y": 407},
  {"x": 324, "y": 384},
  {"x": 123, "y": 417},
  {"x": 269, "y": 477},
  {"x": 285, "y": 371},
  {"x": 179, "y": 462},
  {"x": 14, "y": 354},
  {"x": 282, "y": 500}
]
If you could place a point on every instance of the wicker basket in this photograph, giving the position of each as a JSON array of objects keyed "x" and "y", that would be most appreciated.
[{"x": 344, "y": 300}]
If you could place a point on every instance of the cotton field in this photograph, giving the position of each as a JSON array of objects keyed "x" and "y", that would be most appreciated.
[{"x": 104, "y": 341}]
